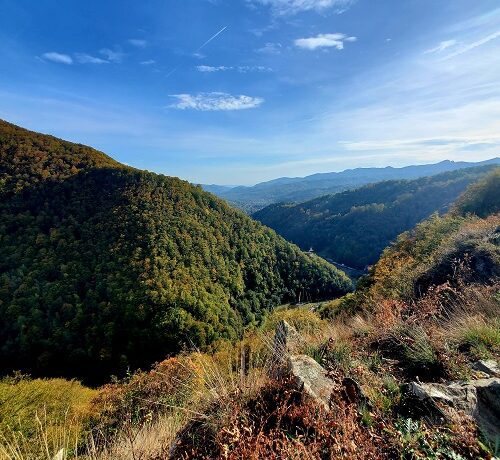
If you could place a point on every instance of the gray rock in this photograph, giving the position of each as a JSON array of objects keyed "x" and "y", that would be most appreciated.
[
  {"x": 286, "y": 341},
  {"x": 311, "y": 379},
  {"x": 478, "y": 398},
  {"x": 489, "y": 367}
]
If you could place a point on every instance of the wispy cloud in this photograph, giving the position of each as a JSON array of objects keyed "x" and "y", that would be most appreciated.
[
  {"x": 58, "y": 58},
  {"x": 240, "y": 69},
  {"x": 137, "y": 42},
  {"x": 209, "y": 68},
  {"x": 336, "y": 40},
  {"x": 148, "y": 62},
  {"x": 444, "y": 45},
  {"x": 83, "y": 58},
  {"x": 209, "y": 102},
  {"x": 271, "y": 48},
  {"x": 422, "y": 143},
  {"x": 115, "y": 56},
  {"x": 286, "y": 7},
  {"x": 475, "y": 44}
]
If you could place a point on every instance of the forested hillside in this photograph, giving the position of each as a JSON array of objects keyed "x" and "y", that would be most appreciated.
[
  {"x": 404, "y": 367},
  {"x": 457, "y": 249},
  {"x": 354, "y": 227},
  {"x": 300, "y": 189},
  {"x": 27, "y": 159},
  {"x": 106, "y": 268}
]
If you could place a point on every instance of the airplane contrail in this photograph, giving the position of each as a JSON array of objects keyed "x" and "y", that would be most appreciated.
[
  {"x": 211, "y": 38},
  {"x": 199, "y": 49},
  {"x": 172, "y": 71}
]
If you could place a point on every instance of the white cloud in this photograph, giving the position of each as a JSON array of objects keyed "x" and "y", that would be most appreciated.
[
  {"x": 253, "y": 68},
  {"x": 284, "y": 7},
  {"x": 241, "y": 68},
  {"x": 324, "y": 41},
  {"x": 432, "y": 143},
  {"x": 137, "y": 42},
  {"x": 441, "y": 47},
  {"x": 58, "y": 57},
  {"x": 148, "y": 62},
  {"x": 83, "y": 58},
  {"x": 270, "y": 48},
  {"x": 214, "y": 101},
  {"x": 475, "y": 44},
  {"x": 209, "y": 68},
  {"x": 112, "y": 55}
]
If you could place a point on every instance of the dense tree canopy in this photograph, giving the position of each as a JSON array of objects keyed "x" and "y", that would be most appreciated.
[
  {"x": 483, "y": 197},
  {"x": 104, "y": 267},
  {"x": 27, "y": 158},
  {"x": 354, "y": 227}
]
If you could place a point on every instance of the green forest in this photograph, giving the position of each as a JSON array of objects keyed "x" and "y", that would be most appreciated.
[
  {"x": 354, "y": 227},
  {"x": 105, "y": 268}
]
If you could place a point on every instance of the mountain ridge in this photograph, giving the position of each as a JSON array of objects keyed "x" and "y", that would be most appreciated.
[
  {"x": 300, "y": 189},
  {"x": 354, "y": 226}
]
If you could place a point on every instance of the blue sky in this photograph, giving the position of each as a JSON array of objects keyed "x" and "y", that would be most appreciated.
[{"x": 240, "y": 91}]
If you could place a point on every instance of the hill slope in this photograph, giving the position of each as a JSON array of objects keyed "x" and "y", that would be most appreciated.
[
  {"x": 353, "y": 227},
  {"x": 104, "y": 267},
  {"x": 460, "y": 248},
  {"x": 299, "y": 189},
  {"x": 28, "y": 159}
]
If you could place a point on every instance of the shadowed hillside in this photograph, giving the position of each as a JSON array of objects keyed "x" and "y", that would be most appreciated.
[
  {"x": 354, "y": 227},
  {"x": 106, "y": 268}
]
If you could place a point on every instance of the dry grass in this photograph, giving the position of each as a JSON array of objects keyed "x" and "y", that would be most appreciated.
[
  {"x": 149, "y": 441},
  {"x": 224, "y": 404},
  {"x": 39, "y": 417}
]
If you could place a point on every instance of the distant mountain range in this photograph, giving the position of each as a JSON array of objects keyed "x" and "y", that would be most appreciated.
[
  {"x": 299, "y": 189},
  {"x": 353, "y": 227}
]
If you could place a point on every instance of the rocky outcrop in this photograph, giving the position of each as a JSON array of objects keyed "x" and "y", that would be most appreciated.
[
  {"x": 489, "y": 367},
  {"x": 286, "y": 340},
  {"x": 306, "y": 374},
  {"x": 478, "y": 398},
  {"x": 311, "y": 379}
]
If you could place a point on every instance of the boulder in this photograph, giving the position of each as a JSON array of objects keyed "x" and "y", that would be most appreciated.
[
  {"x": 489, "y": 367},
  {"x": 311, "y": 379},
  {"x": 478, "y": 398}
]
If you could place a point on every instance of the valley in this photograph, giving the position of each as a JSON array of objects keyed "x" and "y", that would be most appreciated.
[{"x": 142, "y": 317}]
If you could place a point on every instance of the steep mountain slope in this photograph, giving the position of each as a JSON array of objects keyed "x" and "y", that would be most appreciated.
[
  {"x": 104, "y": 267},
  {"x": 459, "y": 248},
  {"x": 353, "y": 227},
  {"x": 299, "y": 189}
]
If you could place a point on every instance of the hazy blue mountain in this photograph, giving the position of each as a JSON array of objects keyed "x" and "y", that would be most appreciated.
[
  {"x": 216, "y": 189},
  {"x": 299, "y": 189}
]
